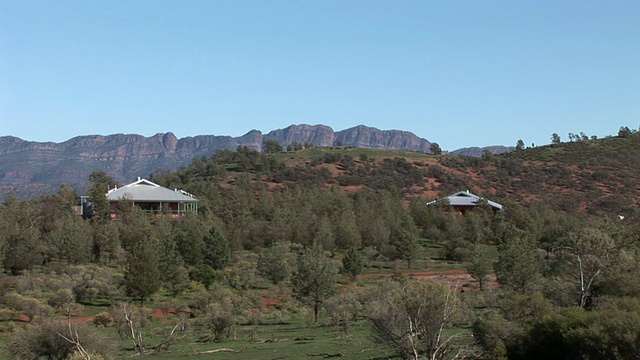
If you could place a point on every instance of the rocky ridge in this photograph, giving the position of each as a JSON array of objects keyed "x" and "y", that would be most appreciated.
[{"x": 30, "y": 168}]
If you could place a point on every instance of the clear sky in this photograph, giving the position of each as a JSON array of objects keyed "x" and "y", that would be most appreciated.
[{"x": 460, "y": 73}]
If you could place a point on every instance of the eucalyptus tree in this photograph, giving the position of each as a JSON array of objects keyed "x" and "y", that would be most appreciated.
[
  {"x": 315, "y": 278},
  {"x": 411, "y": 317},
  {"x": 273, "y": 263}
]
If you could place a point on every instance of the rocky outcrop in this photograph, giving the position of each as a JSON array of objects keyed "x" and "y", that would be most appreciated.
[
  {"x": 372, "y": 138},
  {"x": 30, "y": 168},
  {"x": 478, "y": 151},
  {"x": 360, "y": 136},
  {"x": 319, "y": 135}
]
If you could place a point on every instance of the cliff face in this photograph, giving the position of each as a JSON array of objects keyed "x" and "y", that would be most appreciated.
[
  {"x": 477, "y": 151},
  {"x": 362, "y": 136},
  {"x": 31, "y": 168},
  {"x": 319, "y": 135}
]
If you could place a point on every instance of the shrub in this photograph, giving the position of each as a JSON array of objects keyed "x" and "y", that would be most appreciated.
[
  {"x": 47, "y": 340},
  {"x": 103, "y": 319}
]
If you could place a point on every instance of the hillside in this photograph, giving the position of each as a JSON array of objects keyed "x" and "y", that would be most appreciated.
[
  {"x": 32, "y": 168},
  {"x": 593, "y": 176},
  {"x": 354, "y": 225}
]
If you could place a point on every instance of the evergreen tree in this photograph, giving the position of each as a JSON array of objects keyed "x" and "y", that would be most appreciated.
[
  {"x": 352, "y": 263},
  {"x": 435, "y": 149},
  {"x": 518, "y": 266},
  {"x": 99, "y": 185},
  {"x": 173, "y": 274},
  {"x": 271, "y": 147},
  {"x": 24, "y": 247},
  {"x": 142, "y": 276},
  {"x": 273, "y": 264},
  {"x": 404, "y": 239},
  {"x": 315, "y": 278},
  {"x": 479, "y": 265},
  {"x": 107, "y": 248},
  {"x": 188, "y": 234},
  {"x": 324, "y": 235},
  {"x": 216, "y": 251}
]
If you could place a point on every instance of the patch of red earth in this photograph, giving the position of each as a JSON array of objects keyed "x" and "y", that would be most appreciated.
[
  {"x": 267, "y": 304},
  {"x": 77, "y": 320},
  {"x": 83, "y": 320}
]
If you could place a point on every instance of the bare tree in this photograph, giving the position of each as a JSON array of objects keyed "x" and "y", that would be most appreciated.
[
  {"x": 588, "y": 254},
  {"x": 411, "y": 316},
  {"x": 128, "y": 322},
  {"x": 58, "y": 339}
]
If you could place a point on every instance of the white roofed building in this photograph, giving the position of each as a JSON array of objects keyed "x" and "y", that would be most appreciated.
[
  {"x": 464, "y": 200},
  {"x": 153, "y": 198}
]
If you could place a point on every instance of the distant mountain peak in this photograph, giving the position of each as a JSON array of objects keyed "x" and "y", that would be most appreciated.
[{"x": 31, "y": 168}]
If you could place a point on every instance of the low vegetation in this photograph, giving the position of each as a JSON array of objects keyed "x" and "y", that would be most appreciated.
[{"x": 323, "y": 253}]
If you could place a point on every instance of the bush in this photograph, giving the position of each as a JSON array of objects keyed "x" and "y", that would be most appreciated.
[
  {"x": 205, "y": 275},
  {"x": 45, "y": 340},
  {"x": 103, "y": 319}
]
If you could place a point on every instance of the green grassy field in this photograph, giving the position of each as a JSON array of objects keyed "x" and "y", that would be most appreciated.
[{"x": 293, "y": 335}]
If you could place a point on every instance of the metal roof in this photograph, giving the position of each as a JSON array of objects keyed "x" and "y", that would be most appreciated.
[
  {"x": 465, "y": 198},
  {"x": 146, "y": 191}
]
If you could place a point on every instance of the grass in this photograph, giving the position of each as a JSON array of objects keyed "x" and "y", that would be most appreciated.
[
  {"x": 293, "y": 336},
  {"x": 298, "y": 339}
]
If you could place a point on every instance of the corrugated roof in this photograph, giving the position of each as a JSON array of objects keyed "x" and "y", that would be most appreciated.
[
  {"x": 465, "y": 198},
  {"x": 146, "y": 191}
]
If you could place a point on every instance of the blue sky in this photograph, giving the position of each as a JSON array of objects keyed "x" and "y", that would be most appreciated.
[{"x": 460, "y": 73}]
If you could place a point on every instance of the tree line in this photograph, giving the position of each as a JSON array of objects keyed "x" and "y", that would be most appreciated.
[{"x": 566, "y": 278}]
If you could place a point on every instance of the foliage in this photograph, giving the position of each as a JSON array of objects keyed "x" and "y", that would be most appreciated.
[
  {"x": 290, "y": 216},
  {"x": 519, "y": 265},
  {"x": 57, "y": 339},
  {"x": 315, "y": 278},
  {"x": 435, "y": 149},
  {"x": 173, "y": 273},
  {"x": 273, "y": 264},
  {"x": 352, "y": 263},
  {"x": 218, "y": 319},
  {"x": 142, "y": 277},
  {"x": 205, "y": 275},
  {"x": 479, "y": 265},
  {"x": 216, "y": 250},
  {"x": 410, "y": 317},
  {"x": 99, "y": 184}
]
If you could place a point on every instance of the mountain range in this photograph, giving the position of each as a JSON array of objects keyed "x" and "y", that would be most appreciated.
[{"x": 31, "y": 168}]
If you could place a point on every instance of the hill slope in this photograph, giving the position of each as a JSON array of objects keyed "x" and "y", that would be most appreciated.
[
  {"x": 32, "y": 168},
  {"x": 594, "y": 176}
]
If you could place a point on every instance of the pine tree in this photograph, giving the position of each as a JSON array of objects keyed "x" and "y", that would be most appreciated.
[
  {"x": 216, "y": 249},
  {"x": 352, "y": 263},
  {"x": 171, "y": 265},
  {"x": 142, "y": 277},
  {"x": 315, "y": 278},
  {"x": 100, "y": 183}
]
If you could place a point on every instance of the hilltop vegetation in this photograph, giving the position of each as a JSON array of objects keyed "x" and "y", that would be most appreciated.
[
  {"x": 314, "y": 252},
  {"x": 597, "y": 176}
]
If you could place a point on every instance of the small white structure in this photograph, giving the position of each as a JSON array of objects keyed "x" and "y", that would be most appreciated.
[{"x": 464, "y": 200}]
